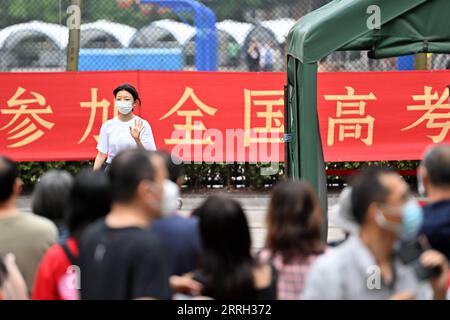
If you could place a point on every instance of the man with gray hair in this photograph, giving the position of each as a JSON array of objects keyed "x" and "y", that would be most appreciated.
[{"x": 434, "y": 180}]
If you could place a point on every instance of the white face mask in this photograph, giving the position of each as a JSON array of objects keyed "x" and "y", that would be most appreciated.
[
  {"x": 124, "y": 107},
  {"x": 170, "y": 198}
]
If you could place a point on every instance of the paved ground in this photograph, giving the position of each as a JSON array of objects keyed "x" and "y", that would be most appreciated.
[{"x": 255, "y": 206}]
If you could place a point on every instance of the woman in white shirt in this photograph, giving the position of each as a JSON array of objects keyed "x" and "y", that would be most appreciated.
[{"x": 125, "y": 131}]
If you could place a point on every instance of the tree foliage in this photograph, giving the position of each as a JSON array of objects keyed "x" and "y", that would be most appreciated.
[{"x": 133, "y": 14}]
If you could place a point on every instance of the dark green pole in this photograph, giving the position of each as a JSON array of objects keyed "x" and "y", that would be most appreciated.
[
  {"x": 291, "y": 120},
  {"x": 308, "y": 136},
  {"x": 311, "y": 161}
]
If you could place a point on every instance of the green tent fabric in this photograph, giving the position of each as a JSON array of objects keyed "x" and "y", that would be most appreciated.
[{"x": 406, "y": 27}]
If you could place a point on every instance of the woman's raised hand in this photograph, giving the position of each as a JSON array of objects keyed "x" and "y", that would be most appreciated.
[{"x": 136, "y": 129}]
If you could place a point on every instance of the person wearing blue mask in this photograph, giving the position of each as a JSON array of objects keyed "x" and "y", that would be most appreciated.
[
  {"x": 367, "y": 266},
  {"x": 126, "y": 131}
]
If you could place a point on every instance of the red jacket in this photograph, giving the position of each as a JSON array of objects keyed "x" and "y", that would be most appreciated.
[{"x": 52, "y": 276}]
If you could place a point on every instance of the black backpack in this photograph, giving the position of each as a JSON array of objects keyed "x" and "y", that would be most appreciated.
[{"x": 73, "y": 260}]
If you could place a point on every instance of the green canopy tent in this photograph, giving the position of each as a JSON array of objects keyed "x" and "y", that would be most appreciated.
[{"x": 406, "y": 27}]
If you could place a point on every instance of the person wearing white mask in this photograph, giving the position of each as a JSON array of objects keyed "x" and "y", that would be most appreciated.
[
  {"x": 126, "y": 131},
  {"x": 179, "y": 234},
  {"x": 120, "y": 257}
]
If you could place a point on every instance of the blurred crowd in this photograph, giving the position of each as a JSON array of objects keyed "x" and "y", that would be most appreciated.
[
  {"x": 265, "y": 57},
  {"x": 119, "y": 235}
]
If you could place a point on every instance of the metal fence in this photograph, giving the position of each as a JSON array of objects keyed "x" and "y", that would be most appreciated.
[{"x": 225, "y": 35}]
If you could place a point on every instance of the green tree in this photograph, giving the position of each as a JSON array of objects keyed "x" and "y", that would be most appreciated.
[
  {"x": 109, "y": 10},
  {"x": 17, "y": 11}
]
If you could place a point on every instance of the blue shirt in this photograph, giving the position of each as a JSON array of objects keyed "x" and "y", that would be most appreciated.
[
  {"x": 181, "y": 239},
  {"x": 436, "y": 226}
]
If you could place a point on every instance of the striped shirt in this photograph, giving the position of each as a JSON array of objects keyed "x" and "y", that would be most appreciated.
[{"x": 291, "y": 276}]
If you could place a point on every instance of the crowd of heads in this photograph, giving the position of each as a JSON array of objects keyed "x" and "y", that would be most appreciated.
[{"x": 126, "y": 221}]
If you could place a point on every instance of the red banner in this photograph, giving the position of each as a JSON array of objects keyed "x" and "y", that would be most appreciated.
[
  {"x": 224, "y": 117},
  {"x": 382, "y": 115}
]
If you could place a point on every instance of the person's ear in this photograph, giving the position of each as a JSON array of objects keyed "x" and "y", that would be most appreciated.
[
  {"x": 372, "y": 211},
  {"x": 18, "y": 186},
  {"x": 148, "y": 190},
  {"x": 143, "y": 190}
]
